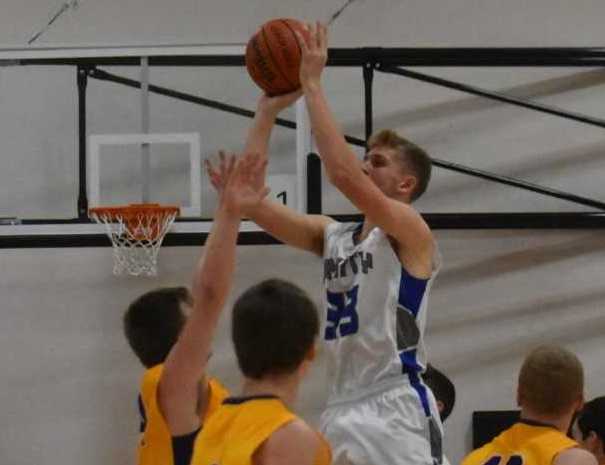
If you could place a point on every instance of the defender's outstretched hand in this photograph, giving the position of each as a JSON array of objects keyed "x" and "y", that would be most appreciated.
[{"x": 239, "y": 182}]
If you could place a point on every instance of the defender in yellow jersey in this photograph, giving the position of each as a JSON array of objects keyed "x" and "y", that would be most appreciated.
[
  {"x": 179, "y": 386},
  {"x": 525, "y": 443},
  {"x": 241, "y": 427},
  {"x": 157, "y": 446},
  {"x": 152, "y": 324},
  {"x": 274, "y": 328},
  {"x": 550, "y": 391}
]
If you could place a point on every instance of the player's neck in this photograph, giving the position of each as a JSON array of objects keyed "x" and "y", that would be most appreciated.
[
  {"x": 561, "y": 422},
  {"x": 284, "y": 387}
]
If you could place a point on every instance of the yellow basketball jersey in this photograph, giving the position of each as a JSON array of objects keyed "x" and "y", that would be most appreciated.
[
  {"x": 524, "y": 443},
  {"x": 155, "y": 446},
  {"x": 240, "y": 426}
]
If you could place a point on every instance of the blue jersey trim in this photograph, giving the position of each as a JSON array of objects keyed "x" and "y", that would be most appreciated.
[
  {"x": 412, "y": 368},
  {"x": 411, "y": 291}
]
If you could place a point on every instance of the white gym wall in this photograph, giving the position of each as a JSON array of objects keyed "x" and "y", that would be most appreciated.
[{"x": 69, "y": 379}]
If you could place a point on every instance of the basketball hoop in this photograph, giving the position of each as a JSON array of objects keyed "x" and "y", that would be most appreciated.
[{"x": 136, "y": 232}]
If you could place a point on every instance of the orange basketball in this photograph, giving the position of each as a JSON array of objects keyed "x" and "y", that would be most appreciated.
[{"x": 273, "y": 56}]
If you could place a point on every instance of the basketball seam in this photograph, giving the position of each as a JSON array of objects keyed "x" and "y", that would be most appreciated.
[
  {"x": 273, "y": 58},
  {"x": 294, "y": 34}
]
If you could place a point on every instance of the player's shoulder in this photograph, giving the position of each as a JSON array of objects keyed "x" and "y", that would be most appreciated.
[
  {"x": 574, "y": 456},
  {"x": 297, "y": 428},
  {"x": 477, "y": 456},
  {"x": 295, "y": 443},
  {"x": 150, "y": 380}
]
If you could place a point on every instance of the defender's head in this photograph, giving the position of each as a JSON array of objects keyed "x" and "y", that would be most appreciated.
[
  {"x": 551, "y": 382},
  {"x": 399, "y": 168},
  {"x": 443, "y": 389},
  {"x": 274, "y": 327},
  {"x": 589, "y": 428},
  {"x": 153, "y": 322}
]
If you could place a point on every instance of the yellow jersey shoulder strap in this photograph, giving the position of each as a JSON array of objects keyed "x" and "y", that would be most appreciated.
[
  {"x": 155, "y": 445},
  {"x": 217, "y": 393}
]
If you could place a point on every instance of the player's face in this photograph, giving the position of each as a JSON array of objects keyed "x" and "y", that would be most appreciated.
[
  {"x": 576, "y": 434},
  {"x": 381, "y": 165},
  {"x": 590, "y": 443}
]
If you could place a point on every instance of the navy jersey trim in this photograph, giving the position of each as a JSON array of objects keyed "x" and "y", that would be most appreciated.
[
  {"x": 241, "y": 400},
  {"x": 529, "y": 422},
  {"x": 143, "y": 423},
  {"x": 182, "y": 447}
]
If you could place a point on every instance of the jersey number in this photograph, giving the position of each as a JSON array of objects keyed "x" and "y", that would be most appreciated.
[
  {"x": 513, "y": 460},
  {"x": 342, "y": 314},
  {"x": 283, "y": 196}
]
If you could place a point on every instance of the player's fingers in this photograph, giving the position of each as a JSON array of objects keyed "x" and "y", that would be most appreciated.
[
  {"x": 304, "y": 49},
  {"x": 232, "y": 159},
  {"x": 323, "y": 36},
  {"x": 208, "y": 166}
]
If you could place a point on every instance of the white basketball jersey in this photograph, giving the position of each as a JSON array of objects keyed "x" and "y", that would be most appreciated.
[{"x": 374, "y": 315}]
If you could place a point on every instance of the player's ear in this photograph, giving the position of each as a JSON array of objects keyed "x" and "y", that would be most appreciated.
[
  {"x": 592, "y": 442},
  {"x": 440, "y": 406},
  {"x": 407, "y": 184},
  {"x": 311, "y": 353}
]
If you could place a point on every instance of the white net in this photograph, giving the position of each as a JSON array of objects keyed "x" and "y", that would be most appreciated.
[{"x": 136, "y": 234}]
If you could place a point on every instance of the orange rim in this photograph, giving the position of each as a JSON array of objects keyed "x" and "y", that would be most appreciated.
[
  {"x": 133, "y": 217},
  {"x": 123, "y": 211}
]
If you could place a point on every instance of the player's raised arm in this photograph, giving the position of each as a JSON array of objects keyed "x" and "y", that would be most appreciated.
[
  {"x": 179, "y": 389},
  {"x": 266, "y": 113},
  {"x": 298, "y": 230},
  {"x": 382, "y": 198}
]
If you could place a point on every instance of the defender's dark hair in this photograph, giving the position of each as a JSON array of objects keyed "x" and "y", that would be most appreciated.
[
  {"x": 274, "y": 326},
  {"x": 592, "y": 418},
  {"x": 443, "y": 389},
  {"x": 153, "y": 322}
]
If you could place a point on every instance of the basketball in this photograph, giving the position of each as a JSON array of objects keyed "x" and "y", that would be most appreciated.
[{"x": 273, "y": 56}]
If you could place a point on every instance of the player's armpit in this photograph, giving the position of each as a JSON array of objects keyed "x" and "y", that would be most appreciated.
[{"x": 414, "y": 240}]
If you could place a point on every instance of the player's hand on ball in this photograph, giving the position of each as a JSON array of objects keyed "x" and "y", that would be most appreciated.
[
  {"x": 272, "y": 106},
  {"x": 314, "y": 48}
]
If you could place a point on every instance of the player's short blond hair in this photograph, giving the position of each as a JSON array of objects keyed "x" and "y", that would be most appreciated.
[
  {"x": 411, "y": 156},
  {"x": 551, "y": 380}
]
